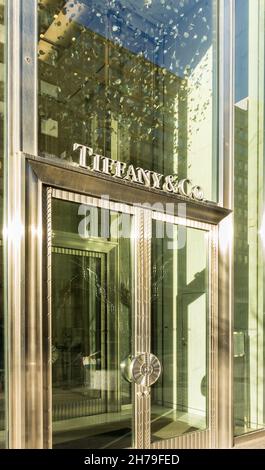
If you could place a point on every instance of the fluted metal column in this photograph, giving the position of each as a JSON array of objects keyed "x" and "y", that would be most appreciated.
[{"x": 22, "y": 224}]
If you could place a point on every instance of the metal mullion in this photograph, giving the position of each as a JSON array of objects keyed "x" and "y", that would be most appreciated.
[
  {"x": 226, "y": 197},
  {"x": 47, "y": 330},
  {"x": 35, "y": 414},
  {"x": 21, "y": 300},
  {"x": 142, "y": 335},
  {"x": 136, "y": 332},
  {"x": 213, "y": 337},
  {"x": 14, "y": 236},
  {"x": 29, "y": 77}
]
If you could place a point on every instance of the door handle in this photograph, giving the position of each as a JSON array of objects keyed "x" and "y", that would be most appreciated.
[{"x": 146, "y": 369}]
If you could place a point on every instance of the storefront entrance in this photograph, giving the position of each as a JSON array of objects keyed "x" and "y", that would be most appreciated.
[{"x": 132, "y": 326}]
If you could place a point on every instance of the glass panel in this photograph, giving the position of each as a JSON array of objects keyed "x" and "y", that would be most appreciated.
[
  {"x": 249, "y": 217},
  {"x": 180, "y": 312},
  {"x": 134, "y": 80},
  {"x": 92, "y": 307},
  {"x": 2, "y": 123}
]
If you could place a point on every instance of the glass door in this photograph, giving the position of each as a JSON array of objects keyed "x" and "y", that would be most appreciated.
[
  {"x": 182, "y": 330},
  {"x": 132, "y": 326},
  {"x": 92, "y": 308}
]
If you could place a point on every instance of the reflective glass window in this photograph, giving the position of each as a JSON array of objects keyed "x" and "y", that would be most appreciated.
[
  {"x": 134, "y": 80},
  {"x": 249, "y": 218}
]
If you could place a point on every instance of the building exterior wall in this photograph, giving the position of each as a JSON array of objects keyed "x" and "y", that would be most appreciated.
[{"x": 166, "y": 90}]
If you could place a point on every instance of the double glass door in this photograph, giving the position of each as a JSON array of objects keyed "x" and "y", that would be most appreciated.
[{"x": 132, "y": 326}]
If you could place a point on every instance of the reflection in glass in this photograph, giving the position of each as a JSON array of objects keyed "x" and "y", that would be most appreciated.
[
  {"x": 249, "y": 325},
  {"x": 134, "y": 80},
  {"x": 92, "y": 292},
  {"x": 180, "y": 311}
]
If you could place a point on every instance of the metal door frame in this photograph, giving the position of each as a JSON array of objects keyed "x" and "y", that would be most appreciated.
[{"x": 141, "y": 321}]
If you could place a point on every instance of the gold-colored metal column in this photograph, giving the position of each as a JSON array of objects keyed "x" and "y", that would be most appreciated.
[
  {"x": 142, "y": 405},
  {"x": 23, "y": 231}
]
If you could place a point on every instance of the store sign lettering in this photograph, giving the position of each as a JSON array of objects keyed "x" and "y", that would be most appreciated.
[{"x": 150, "y": 179}]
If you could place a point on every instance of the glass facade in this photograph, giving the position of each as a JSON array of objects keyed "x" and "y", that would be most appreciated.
[
  {"x": 2, "y": 140},
  {"x": 249, "y": 358},
  {"x": 135, "y": 81},
  {"x": 101, "y": 313}
]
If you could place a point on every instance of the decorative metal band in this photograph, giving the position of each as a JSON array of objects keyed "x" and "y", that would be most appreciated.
[
  {"x": 192, "y": 440},
  {"x": 74, "y": 252},
  {"x": 213, "y": 331},
  {"x": 143, "y": 229},
  {"x": 49, "y": 316},
  {"x": 103, "y": 203}
]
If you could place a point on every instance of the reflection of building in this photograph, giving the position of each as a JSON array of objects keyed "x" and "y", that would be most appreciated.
[
  {"x": 153, "y": 108},
  {"x": 109, "y": 104}
]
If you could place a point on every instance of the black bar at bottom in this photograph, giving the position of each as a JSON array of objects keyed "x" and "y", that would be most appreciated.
[{"x": 119, "y": 458}]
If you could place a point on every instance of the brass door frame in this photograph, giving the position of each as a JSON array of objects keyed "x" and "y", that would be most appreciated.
[{"x": 142, "y": 322}]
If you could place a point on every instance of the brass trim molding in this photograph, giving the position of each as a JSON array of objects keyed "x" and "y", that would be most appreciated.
[{"x": 68, "y": 177}]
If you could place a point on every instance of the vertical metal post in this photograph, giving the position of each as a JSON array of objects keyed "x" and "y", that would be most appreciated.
[
  {"x": 14, "y": 236},
  {"x": 22, "y": 222},
  {"x": 226, "y": 276},
  {"x": 142, "y": 401},
  {"x": 34, "y": 231}
]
